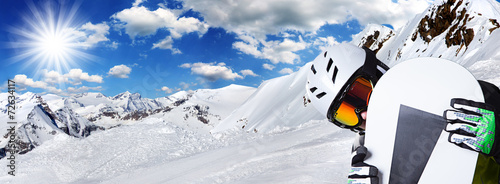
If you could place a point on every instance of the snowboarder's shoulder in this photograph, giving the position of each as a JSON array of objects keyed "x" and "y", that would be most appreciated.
[{"x": 491, "y": 93}]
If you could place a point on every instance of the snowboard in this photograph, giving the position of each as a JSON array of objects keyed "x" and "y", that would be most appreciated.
[{"x": 405, "y": 126}]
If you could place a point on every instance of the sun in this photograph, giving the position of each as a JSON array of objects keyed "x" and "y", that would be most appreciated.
[
  {"x": 54, "y": 45},
  {"x": 49, "y": 38}
]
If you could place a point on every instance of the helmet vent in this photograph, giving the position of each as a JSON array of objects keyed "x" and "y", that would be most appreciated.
[
  {"x": 313, "y": 89},
  {"x": 335, "y": 71},
  {"x": 319, "y": 96},
  {"x": 313, "y": 69},
  {"x": 330, "y": 63}
]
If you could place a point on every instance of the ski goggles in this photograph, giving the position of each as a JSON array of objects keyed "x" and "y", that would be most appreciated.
[{"x": 353, "y": 100}]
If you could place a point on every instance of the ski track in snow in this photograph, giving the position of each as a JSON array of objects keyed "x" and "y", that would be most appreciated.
[{"x": 159, "y": 152}]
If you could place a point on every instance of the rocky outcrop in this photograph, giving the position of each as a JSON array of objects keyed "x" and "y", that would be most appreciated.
[
  {"x": 374, "y": 37},
  {"x": 375, "y": 40},
  {"x": 449, "y": 18}
]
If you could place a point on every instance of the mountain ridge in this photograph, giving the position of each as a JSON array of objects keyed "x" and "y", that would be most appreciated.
[
  {"x": 82, "y": 114},
  {"x": 455, "y": 30}
]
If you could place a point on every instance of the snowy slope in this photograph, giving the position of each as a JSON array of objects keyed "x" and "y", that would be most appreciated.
[
  {"x": 38, "y": 128},
  {"x": 203, "y": 109},
  {"x": 40, "y": 118},
  {"x": 463, "y": 31},
  {"x": 278, "y": 103},
  {"x": 455, "y": 30},
  {"x": 24, "y": 105},
  {"x": 155, "y": 151},
  {"x": 28, "y": 116},
  {"x": 73, "y": 124},
  {"x": 38, "y": 123}
]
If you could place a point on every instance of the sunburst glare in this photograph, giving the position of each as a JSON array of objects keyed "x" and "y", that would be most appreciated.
[{"x": 49, "y": 38}]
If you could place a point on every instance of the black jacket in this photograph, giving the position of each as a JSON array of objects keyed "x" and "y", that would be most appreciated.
[
  {"x": 488, "y": 167},
  {"x": 492, "y": 97}
]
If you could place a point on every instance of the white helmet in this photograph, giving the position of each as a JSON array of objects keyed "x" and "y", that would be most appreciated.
[{"x": 334, "y": 69}]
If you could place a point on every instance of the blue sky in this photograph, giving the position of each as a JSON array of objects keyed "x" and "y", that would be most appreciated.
[{"x": 157, "y": 48}]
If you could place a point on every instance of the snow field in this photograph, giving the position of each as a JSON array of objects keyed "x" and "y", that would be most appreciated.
[{"x": 154, "y": 151}]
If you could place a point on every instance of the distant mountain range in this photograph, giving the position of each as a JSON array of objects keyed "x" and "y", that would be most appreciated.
[{"x": 42, "y": 117}]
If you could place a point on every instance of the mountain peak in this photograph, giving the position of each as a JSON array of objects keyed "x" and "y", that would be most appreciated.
[
  {"x": 373, "y": 36},
  {"x": 457, "y": 20},
  {"x": 28, "y": 95},
  {"x": 448, "y": 29},
  {"x": 125, "y": 94}
]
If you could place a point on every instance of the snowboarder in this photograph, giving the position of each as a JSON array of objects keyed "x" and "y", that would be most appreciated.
[{"x": 339, "y": 86}]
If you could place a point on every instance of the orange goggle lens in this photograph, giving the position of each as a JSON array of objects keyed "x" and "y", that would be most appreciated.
[{"x": 353, "y": 101}]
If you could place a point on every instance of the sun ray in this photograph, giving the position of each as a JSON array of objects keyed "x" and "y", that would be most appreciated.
[{"x": 49, "y": 38}]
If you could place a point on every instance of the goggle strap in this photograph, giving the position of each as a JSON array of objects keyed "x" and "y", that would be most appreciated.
[{"x": 372, "y": 66}]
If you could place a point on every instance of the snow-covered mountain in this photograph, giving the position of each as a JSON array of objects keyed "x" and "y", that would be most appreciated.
[
  {"x": 73, "y": 124},
  {"x": 234, "y": 134},
  {"x": 373, "y": 36},
  {"x": 40, "y": 120},
  {"x": 38, "y": 123},
  {"x": 464, "y": 31},
  {"x": 203, "y": 109},
  {"x": 277, "y": 104},
  {"x": 98, "y": 107}
]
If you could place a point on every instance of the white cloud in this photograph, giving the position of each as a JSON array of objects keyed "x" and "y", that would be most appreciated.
[
  {"x": 274, "y": 51},
  {"x": 22, "y": 79},
  {"x": 248, "y": 48},
  {"x": 268, "y": 66},
  {"x": 264, "y": 17},
  {"x": 136, "y": 64},
  {"x": 286, "y": 71},
  {"x": 388, "y": 12},
  {"x": 83, "y": 89},
  {"x": 140, "y": 21},
  {"x": 3, "y": 86},
  {"x": 166, "y": 44},
  {"x": 120, "y": 71},
  {"x": 212, "y": 71},
  {"x": 284, "y": 51},
  {"x": 113, "y": 45},
  {"x": 52, "y": 78},
  {"x": 248, "y": 72},
  {"x": 185, "y": 86},
  {"x": 94, "y": 33},
  {"x": 54, "y": 90},
  {"x": 78, "y": 75},
  {"x": 137, "y": 2},
  {"x": 322, "y": 42},
  {"x": 254, "y": 20},
  {"x": 166, "y": 89},
  {"x": 74, "y": 76},
  {"x": 185, "y": 25}
]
